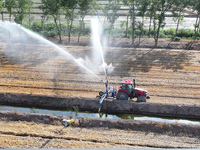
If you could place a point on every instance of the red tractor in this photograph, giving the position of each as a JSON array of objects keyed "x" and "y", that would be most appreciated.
[{"x": 128, "y": 89}]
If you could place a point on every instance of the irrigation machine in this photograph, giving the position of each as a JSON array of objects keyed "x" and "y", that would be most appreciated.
[{"x": 126, "y": 91}]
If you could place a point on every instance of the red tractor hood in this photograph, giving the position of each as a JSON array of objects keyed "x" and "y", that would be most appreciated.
[{"x": 141, "y": 90}]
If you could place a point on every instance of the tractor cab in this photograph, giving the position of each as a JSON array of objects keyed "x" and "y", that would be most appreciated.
[
  {"x": 127, "y": 86},
  {"x": 128, "y": 89}
]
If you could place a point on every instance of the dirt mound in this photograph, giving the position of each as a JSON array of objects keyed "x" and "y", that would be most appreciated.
[
  {"x": 108, "y": 106},
  {"x": 144, "y": 126}
]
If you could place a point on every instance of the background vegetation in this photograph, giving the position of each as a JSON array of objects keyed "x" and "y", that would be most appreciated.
[{"x": 61, "y": 15}]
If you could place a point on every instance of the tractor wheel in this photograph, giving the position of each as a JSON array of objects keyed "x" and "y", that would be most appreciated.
[
  {"x": 141, "y": 99},
  {"x": 122, "y": 95}
]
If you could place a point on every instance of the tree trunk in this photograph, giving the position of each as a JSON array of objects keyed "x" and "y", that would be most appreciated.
[
  {"x": 59, "y": 33},
  {"x": 69, "y": 32},
  {"x": 110, "y": 33},
  {"x": 142, "y": 25},
  {"x": 178, "y": 23},
  {"x": 133, "y": 22},
  {"x": 196, "y": 27},
  {"x": 70, "y": 26},
  {"x": 126, "y": 33},
  {"x": 141, "y": 32},
  {"x": 149, "y": 34},
  {"x": 81, "y": 27},
  {"x": 154, "y": 27},
  {"x": 2, "y": 16},
  {"x": 10, "y": 13}
]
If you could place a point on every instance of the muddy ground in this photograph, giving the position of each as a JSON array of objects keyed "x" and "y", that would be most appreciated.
[{"x": 170, "y": 73}]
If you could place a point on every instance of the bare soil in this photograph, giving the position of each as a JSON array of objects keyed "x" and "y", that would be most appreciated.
[
  {"x": 32, "y": 135},
  {"x": 170, "y": 73},
  {"x": 46, "y": 131}
]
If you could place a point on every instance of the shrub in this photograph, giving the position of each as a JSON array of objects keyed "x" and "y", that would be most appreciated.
[
  {"x": 169, "y": 32},
  {"x": 185, "y": 33},
  {"x": 162, "y": 35},
  {"x": 36, "y": 26},
  {"x": 177, "y": 38}
]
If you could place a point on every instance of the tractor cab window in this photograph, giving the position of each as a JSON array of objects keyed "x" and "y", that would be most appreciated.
[
  {"x": 129, "y": 88},
  {"x": 123, "y": 86}
]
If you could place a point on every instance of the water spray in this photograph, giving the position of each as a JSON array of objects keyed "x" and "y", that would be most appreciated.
[
  {"x": 96, "y": 41},
  {"x": 10, "y": 26}
]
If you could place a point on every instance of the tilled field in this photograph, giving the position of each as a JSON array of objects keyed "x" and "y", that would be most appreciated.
[
  {"x": 170, "y": 75},
  {"x": 32, "y": 135}
]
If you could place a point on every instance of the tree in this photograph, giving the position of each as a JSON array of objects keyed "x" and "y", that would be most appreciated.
[
  {"x": 69, "y": 8},
  {"x": 84, "y": 8},
  {"x": 178, "y": 12},
  {"x": 9, "y": 4},
  {"x": 196, "y": 7},
  {"x": 53, "y": 8},
  {"x": 2, "y": 5},
  {"x": 132, "y": 4},
  {"x": 110, "y": 11},
  {"x": 22, "y": 10},
  {"x": 142, "y": 8},
  {"x": 161, "y": 7},
  {"x": 150, "y": 12}
]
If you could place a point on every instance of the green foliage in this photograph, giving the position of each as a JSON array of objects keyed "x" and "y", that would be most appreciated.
[
  {"x": 22, "y": 9},
  {"x": 185, "y": 33},
  {"x": 162, "y": 35},
  {"x": 36, "y": 26},
  {"x": 176, "y": 38},
  {"x": 169, "y": 31},
  {"x": 9, "y": 4},
  {"x": 76, "y": 109}
]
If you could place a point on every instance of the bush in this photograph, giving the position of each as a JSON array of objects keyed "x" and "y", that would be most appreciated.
[
  {"x": 177, "y": 38},
  {"x": 169, "y": 32},
  {"x": 49, "y": 33},
  {"x": 137, "y": 32},
  {"x": 162, "y": 35},
  {"x": 36, "y": 26},
  {"x": 185, "y": 33}
]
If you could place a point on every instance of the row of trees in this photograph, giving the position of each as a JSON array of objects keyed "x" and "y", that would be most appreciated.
[
  {"x": 18, "y": 8},
  {"x": 153, "y": 10}
]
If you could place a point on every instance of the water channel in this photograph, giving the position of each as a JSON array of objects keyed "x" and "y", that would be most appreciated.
[{"x": 98, "y": 115}]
